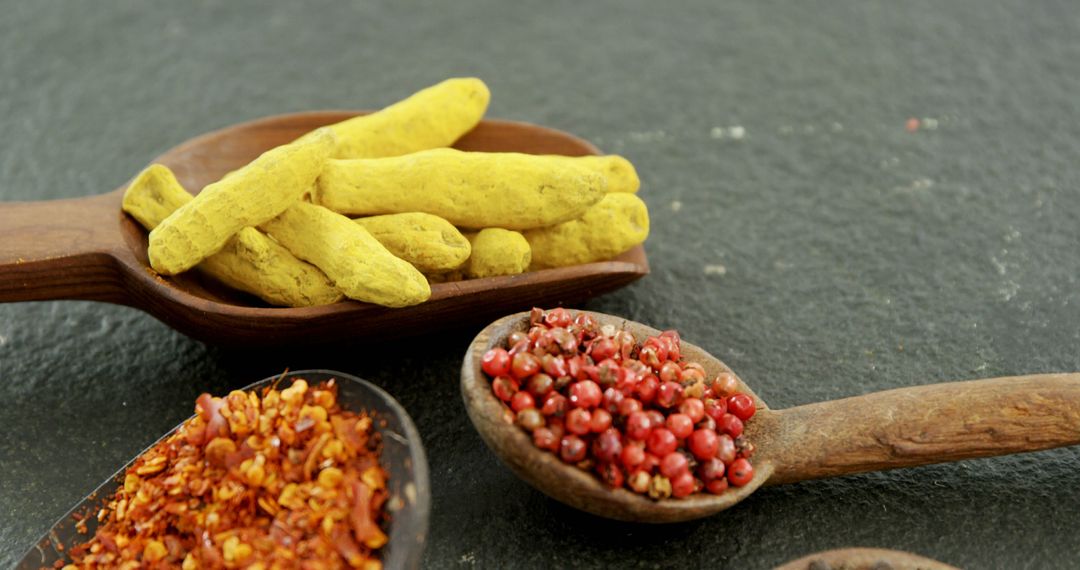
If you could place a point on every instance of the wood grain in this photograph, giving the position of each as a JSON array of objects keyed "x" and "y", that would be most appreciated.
[
  {"x": 61, "y": 249},
  {"x": 921, "y": 425},
  {"x": 88, "y": 249},
  {"x": 879, "y": 431}
]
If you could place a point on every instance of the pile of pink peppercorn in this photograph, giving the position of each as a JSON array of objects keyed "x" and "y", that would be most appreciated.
[{"x": 635, "y": 413}]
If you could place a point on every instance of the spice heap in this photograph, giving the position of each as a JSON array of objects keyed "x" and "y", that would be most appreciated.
[
  {"x": 637, "y": 414},
  {"x": 281, "y": 479}
]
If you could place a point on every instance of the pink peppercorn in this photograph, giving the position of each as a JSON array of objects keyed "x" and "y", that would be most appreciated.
[
  {"x": 638, "y": 425},
  {"x": 572, "y": 449},
  {"x": 495, "y": 362},
  {"x": 586, "y": 394},
  {"x": 633, "y": 455},
  {"x": 607, "y": 446},
  {"x": 742, "y": 406},
  {"x": 577, "y": 421},
  {"x": 669, "y": 394},
  {"x": 704, "y": 444},
  {"x": 522, "y": 401},
  {"x": 682, "y": 485},
  {"x": 730, "y": 425},
  {"x": 673, "y": 464},
  {"x": 693, "y": 408},
  {"x": 680, "y": 424},
  {"x": 661, "y": 442},
  {"x": 600, "y": 421}
]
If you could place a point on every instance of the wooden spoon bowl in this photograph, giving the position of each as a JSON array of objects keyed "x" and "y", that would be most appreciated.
[
  {"x": 878, "y": 431},
  {"x": 87, "y": 248},
  {"x": 566, "y": 483}
]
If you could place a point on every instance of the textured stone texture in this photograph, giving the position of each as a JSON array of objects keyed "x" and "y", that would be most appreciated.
[{"x": 819, "y": 248}]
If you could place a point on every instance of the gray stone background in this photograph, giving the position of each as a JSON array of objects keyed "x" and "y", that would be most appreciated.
[{"x": 826, "y": 252}]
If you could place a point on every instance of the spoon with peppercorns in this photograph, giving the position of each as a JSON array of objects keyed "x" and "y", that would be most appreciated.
[{"x": 627, "y": 422}]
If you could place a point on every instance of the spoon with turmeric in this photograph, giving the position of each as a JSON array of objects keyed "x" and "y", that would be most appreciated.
[
  {"x": 905, "y": 427},
  {"x": 89, "y": 249}
]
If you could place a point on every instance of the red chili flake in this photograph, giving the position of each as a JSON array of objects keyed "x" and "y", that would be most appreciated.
[{"x": 252, "y": 481}]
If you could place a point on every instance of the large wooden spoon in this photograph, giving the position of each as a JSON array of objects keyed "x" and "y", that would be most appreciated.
[
  {"x": 872, "y": 432},
  {"x": 87, "y": 248}
]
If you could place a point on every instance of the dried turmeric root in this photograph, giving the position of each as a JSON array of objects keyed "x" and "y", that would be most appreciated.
[
  {"x": 430, "y": 118},
  {"x": 248, "y": 197},
  {"x": 356, "y": 262},
  {"x": 620, "y": 173},
  {"x": 468, "y": 189},
  {"x": 619, "y": 222},
  {"x": 430, "y": 243},
  {"x": 250, "y": 261},
  {"x": 496, "y": 251}
]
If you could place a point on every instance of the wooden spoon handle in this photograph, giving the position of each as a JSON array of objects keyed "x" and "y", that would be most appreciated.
[
  {"x": 921, "y": 425},
  {"x": 61, "y": 249}
]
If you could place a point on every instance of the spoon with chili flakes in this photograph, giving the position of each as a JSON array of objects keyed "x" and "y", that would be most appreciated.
[
  {"x": 314, "y": 466},
  {"x": 561, "y": 420}
]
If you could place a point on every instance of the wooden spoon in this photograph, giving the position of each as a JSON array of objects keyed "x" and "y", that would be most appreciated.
[
  {"x": 87, "y": 248},
  {"x": 864, "y": 559},
  {"x": 883, "y": 430}
]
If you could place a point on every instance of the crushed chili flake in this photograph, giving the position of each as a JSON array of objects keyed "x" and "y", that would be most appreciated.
[{"x": 277, "y": 479}]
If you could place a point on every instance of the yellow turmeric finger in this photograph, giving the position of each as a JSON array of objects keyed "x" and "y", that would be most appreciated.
[
  {"x": 249, "y": 262},
  {"x": 618, "y": 223},
  {"x": 430, "y": 243},
  {"x": 496, "y": 251},
  {"x": 250, "y": 196},
  {"x": 252, "y": 262},
  {"x": 154, "y": 194},
  {"x": 430, "y": 118},
  {"x": 621, "y": 175},
  {"x": 468, "y": 189},
  {"x": 356, "y": 262}
]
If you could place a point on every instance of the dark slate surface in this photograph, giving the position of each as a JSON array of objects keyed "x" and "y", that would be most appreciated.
[{"x": 827, "y": 252}]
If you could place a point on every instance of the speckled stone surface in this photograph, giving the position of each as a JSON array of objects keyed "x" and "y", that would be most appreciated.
[{"x": 800, "y": 232}]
